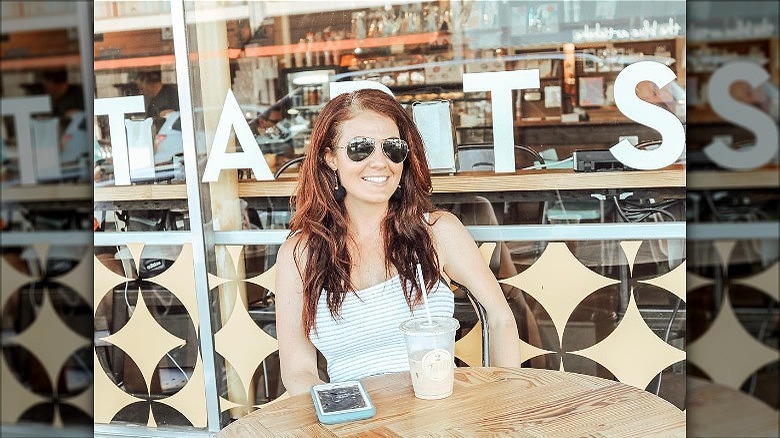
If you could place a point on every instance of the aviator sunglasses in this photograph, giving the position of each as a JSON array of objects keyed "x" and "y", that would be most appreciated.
[{"x": 359, "y": 148}]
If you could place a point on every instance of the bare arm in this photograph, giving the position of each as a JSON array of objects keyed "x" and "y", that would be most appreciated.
[
  {"x": 297, "y": 355},
  {"x": 461, "y": 261}
]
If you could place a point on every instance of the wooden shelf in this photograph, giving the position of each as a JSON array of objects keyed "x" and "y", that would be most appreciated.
[
  {"x": 559, "y": 179},
  {"x": 618, "y": 119},
  {"x": 47, "y": 192},
  {"x": 726, "y": 179},
  {"x": 145, "y": 192},
  {"x": 39, "y": 62},
  {"x": 347, "y": 45},
  {"x": 527, "y": 180},
  {"x": 469, "y": 182}
]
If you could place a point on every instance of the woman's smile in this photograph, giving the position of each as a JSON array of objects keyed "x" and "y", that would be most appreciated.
[{"x": 380, "y": 180}]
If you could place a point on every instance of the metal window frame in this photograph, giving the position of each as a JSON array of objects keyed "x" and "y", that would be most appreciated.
[{"x": 198, "y": 232}]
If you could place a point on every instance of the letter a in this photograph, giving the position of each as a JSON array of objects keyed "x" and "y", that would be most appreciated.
[{"x": 220, "y": 159}]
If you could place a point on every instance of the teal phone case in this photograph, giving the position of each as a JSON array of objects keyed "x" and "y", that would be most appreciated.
[{"x": 340, "y": 416}]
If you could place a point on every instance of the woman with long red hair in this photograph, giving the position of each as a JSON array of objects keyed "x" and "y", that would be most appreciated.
[{"x": 362, "y": 222}]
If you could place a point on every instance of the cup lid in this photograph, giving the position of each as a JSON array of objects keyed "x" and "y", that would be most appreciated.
[{"x": 421, "y": 326}]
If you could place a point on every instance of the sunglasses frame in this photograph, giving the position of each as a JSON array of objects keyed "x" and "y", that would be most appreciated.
[{"x": 374, "y": 142}]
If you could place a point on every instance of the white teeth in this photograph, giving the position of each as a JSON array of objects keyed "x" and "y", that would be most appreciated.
[{"x": 375, "y": 179}]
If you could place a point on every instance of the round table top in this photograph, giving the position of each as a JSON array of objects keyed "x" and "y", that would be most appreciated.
[
  {"x": 484, "y": 402},
  {"x": 716, "y": 410}
]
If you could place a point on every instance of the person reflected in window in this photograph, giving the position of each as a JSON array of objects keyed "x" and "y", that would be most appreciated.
[
  {"x": 159, "y": 98},
  {"x": 347, "y": 275},
  {"x": 66, "y": 98}
]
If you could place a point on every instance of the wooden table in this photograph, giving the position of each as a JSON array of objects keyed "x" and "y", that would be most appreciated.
[
  {"x": 717, "y": 410},
  {"x": 485, "y": 402}
]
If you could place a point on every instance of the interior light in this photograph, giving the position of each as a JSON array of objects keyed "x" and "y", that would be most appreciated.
[{"x": 315, "y": 78}]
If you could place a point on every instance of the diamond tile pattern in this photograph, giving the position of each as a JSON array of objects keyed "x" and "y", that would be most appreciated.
[
  {"x": 632, "y": 352},
  {"x": 52, "y": 352},
  {"x": 557, "y": 281},
  {"x": 243, "y": 344},
  {"x": 726, "y": 351},
  {"x": 135, "y": 339}
]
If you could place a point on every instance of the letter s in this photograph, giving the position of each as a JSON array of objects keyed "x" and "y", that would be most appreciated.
[
  {"x": 645, "y": 113},
  {"x": 746, "y": 116}
]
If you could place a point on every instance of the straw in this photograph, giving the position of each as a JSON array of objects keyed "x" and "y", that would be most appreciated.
[{"x": 424, "y": 295}]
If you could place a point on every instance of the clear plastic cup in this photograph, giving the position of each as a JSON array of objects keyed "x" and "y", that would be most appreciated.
[{"x": 431, "y": 348}]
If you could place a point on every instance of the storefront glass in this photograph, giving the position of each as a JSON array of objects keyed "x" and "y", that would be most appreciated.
[
  {"x": 514, "y": 88},
  {"x": 733, "y": 207},
  {"x": 45, "y": 219}
]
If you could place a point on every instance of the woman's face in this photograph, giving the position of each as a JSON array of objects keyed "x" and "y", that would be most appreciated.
[{"x": 374, "y": 179}]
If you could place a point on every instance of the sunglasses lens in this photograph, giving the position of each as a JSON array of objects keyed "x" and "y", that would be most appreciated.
[
  {"x": 395, "y": 149},
  {"x": 359, "y": 148}
]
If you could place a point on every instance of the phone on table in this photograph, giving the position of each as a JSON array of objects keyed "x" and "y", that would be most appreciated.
[{"x": 341, "y": 402}]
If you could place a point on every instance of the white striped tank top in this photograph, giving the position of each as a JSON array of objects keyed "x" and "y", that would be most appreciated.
[{"x": 366, "y": 339}]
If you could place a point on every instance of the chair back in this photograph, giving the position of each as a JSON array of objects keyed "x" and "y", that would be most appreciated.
[{"x": 469, "y": 349}]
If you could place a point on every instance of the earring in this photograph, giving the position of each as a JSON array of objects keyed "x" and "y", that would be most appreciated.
[
  {"x": 339, "y": 192},
  {"x": 397, "y": 194}
]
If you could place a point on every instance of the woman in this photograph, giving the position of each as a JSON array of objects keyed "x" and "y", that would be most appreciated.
[{"x": 363, "y": 220}]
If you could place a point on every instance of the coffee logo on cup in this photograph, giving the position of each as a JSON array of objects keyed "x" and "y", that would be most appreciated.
[{"x": 436, "y": 364}]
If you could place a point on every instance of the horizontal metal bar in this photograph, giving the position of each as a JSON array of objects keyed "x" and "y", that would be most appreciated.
[
  {"x": 39, "y": 430},
  {"x": 59, "y": 238},
  {"x": 137, "y": 430},
  {"x": 531, "y": 233},
  {"x": 558, "y": 232},
  {"x": 147, "y": 237},
  {"x": 735, "y": 231},
  {"x": 242, "y": 237},
  {"x": 255, "y": 237}
]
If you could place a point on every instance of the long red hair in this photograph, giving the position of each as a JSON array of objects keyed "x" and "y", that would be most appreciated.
[{"x": 322, "y": 221}]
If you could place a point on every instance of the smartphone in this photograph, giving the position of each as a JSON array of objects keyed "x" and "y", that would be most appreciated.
[{"x": 341, "y": 402}]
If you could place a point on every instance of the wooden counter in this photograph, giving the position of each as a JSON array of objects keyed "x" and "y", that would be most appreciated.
[
  {"x": 734, "y": 179},
  {"x": 471, "y": 182},
  {"x": 141, "y": 192},
  {"x": 468, "y": 182},
  {"x": 47, "y": 193}
]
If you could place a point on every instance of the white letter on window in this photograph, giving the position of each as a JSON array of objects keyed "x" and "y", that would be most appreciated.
[
  {"x": 116, "y": 108},
  {"x": 746, "y": 116},
  {"x": 636, "y": 109},
  {"x": 220, "y": 159},
  {"x": 500, "y": 84}
]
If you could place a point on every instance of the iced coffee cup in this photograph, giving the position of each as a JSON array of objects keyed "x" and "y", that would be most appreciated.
[{"x": 431, "y": 347}]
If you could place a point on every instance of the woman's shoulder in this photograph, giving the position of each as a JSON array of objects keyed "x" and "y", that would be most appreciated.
[
  {"x": 292, "y": 248},
  {"x": 447, "y": 229},
  {"x": 443, "y": 221}
]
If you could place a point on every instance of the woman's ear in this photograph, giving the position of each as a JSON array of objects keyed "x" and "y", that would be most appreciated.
[{"x": 330, "y": 159}]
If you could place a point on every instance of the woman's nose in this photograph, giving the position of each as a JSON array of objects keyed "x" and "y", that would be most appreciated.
[{"x": 377, "y": 157}]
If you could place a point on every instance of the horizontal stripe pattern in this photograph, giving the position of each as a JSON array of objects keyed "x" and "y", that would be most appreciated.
[{"x": 365, "y": 339}]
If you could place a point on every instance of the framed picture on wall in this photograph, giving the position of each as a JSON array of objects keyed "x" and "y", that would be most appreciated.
[
  {"x": 552, "y": 96},
  {"x": 589, "y": 61},
  {"x": 591, "y": 91},
  {"x": 545, "y": 68}
]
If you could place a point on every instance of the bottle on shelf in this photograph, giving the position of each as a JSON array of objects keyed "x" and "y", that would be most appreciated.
[
  {"x": 309, "y": 55},
  {"x": 299, "y": 53}
]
